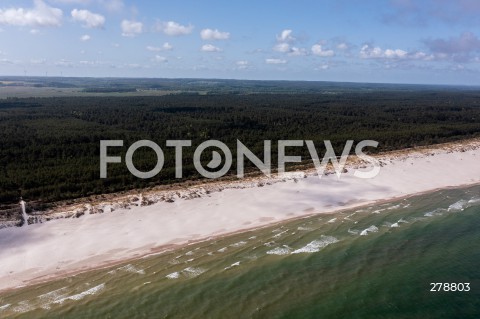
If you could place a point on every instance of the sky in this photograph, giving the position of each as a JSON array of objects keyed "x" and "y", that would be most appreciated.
[{"x": 388, "y": 41}]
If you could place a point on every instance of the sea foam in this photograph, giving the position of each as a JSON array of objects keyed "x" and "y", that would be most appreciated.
[
  {"x": 371, "y": 229},
  {"x": 284, "y": 250},
  {"x": 353, "y": 231},
  {"x": 132, "y": 269},
  {"x": 50, "y": 297},
  {"x": 316, "y": 245},
  {"x": 192, "y": 272},
  {"x": 235, "y": 264},
  {"x": 4, "y": 307},
  {"x": 91, "y": 291},
  {"x": 474, "y": 202},
  {"x": 435, "y": 212},
  {"x": 173, "y": 275},
  {"x": 458, "y": 206},
  {"x": 239, "y": 244},
  {"x": 23, "y": 306}
]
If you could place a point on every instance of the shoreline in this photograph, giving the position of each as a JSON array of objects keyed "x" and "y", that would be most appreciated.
[
  {"x": 284, "y": 201},
  {"x": 169, "y": 248}
]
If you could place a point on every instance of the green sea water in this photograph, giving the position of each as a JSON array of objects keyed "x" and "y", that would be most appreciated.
[{"x": 372, "y": 262}]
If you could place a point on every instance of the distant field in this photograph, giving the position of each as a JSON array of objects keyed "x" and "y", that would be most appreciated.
[
  {"x": 29, "y": 91},
  {"x": 25, "y": 92},
  {"x": 152, "y": 86}
]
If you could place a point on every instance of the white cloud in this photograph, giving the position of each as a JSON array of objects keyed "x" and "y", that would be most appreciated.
[
  {"x": 292, "y": 51},
  {"x": 368, "y": 52},
  {"x": 94, "y": 62},
  {"x": 154, "y": 49},
  {"x": 38, "y": 61},
  {"x": 85, "y": 37},
  {"x": 285, "y": 36},
  {"x": 322, "y": 67},
  {"x": 41, "y": 15},
  {"x": 63, "y": 63},
  {"x": 242, "y": 64},
  {"x": 209, "y": 34},
  {"x": 160, "y": 59},
  {"x": 297, "y": 52},
  {"x": 282, "y": 47},
  {"x": 131, "y": 28},
  {"x": 318, "y": 50},
  {"x": 342, "y": 46},
  {"x": 422, "y": 56},
  {"x": 89, "y": 19},
  {"x": 275, "y": 61},
  {"x": 284, "y": 41},
  {"x": 393, "y": 54},
  {"x": 210, "y": 48},
  {"x": 165, "y": 47},
  {"x": 34, "y": 31},
  {"x": 173, "y": 28}
]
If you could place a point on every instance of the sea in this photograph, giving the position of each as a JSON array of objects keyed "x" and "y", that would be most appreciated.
[{"x": 416, "y": 257}]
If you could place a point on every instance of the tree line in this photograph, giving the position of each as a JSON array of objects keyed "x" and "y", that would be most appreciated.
[{"x": 49, "y": 147}]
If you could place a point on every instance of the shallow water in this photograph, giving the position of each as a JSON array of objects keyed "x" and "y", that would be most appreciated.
[{"x": 374, "y": 262}]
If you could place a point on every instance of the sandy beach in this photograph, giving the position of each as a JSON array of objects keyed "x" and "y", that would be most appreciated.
[{"x": 42, "y": 251}]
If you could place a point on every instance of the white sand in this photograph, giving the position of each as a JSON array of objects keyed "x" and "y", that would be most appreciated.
[{"x": 38, "y": 252}]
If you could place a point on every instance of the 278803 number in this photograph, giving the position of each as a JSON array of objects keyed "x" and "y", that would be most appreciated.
[{"x": 450, "y": 286}]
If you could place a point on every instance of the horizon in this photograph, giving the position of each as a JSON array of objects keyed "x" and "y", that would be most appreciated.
[
  {"x": 395, "y": 42},
  {"x": 20, "y": 77}
]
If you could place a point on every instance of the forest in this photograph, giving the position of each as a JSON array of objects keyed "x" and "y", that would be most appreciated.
[{"x": 49, "y": 146}]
